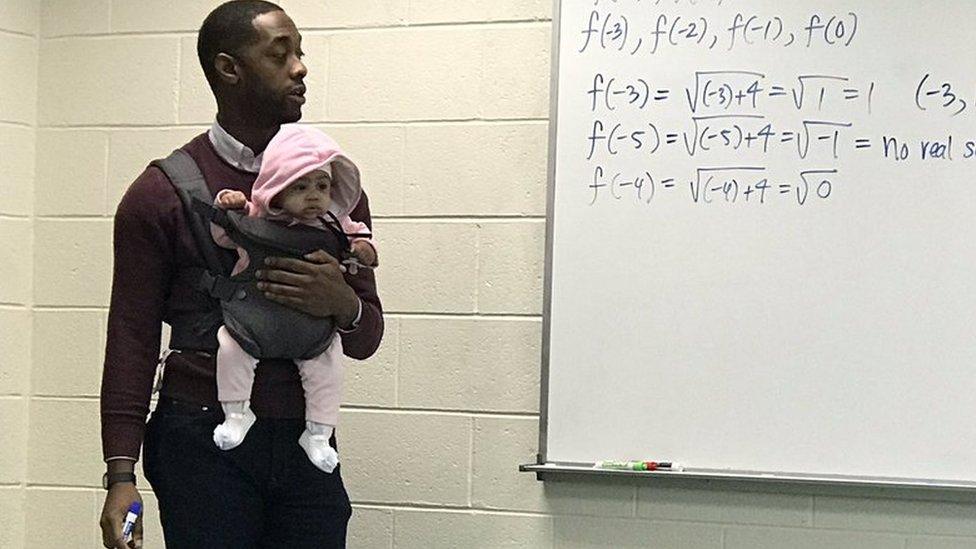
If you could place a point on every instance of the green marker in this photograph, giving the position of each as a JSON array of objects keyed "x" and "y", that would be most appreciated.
[{"x": 637, "y": 465}]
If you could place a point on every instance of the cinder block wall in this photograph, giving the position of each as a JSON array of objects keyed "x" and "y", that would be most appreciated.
[
  {"x": 444, "y": 105},
  {"x": 18, "y": 121}
]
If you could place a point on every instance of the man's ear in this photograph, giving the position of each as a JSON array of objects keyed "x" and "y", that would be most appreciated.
[{"x": 227, "y": 68}]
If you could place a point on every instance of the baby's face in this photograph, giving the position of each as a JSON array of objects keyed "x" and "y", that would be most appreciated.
[{"x": 308, "y": 197}]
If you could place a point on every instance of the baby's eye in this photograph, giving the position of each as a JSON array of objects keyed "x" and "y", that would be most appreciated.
[
  {"x": 300, "y": 187},
  {"x": 323, "y": 186}
]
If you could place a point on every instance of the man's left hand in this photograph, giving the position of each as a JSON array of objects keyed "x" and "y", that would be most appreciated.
[{"x": 314, "y": 286}]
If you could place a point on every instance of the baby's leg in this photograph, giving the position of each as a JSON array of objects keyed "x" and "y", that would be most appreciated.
[
  {"x": 322, "y": 382},
  {"x": 235, "y": 376}
]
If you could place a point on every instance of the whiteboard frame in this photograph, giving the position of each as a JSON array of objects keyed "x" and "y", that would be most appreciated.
[
  {"x": 911, "y": 488},
  {"x": 826, "y": 485},
  {"x": 550, "y": 228}
]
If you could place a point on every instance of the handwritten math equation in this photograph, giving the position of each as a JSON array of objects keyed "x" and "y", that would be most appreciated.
[
  {"x": 730, "y": 132},
  {"x": 740, "y": 91},
  {"x": 729, "y": 125},
  {"x": 714, "y": 185},
  {"x": 731, "y": 91},
  {"x": 616, "y": 31}
]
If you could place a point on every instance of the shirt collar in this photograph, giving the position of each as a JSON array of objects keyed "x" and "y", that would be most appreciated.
[{"x": 233, "y": 151}]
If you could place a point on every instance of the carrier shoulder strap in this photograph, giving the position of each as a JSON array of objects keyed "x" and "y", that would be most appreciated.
[{"x": 185, "y": 176}]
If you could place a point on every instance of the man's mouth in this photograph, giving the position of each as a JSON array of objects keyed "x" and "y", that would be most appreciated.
[{"x": 297, "y": 94}]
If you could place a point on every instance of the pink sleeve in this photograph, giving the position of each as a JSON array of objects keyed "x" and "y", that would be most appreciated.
[
  {"x": 352, "y": 228},
  {"x": 220, "y": 237}
]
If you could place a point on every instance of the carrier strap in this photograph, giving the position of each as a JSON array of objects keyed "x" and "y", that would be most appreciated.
[{"x": 191, "y": 187}]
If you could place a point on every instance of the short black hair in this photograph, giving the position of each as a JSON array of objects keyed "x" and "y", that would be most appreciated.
[{"x": 228, "y": 29}]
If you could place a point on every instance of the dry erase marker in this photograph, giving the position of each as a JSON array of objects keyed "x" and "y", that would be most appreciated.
[
  {"x": 638, "y": 465},
  {"x": 130, "y": 520}
]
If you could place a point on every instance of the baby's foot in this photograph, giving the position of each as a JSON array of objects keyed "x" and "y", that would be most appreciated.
[
  {"x": 316, "y": 446},
  {"x": 231, "y": 432}
]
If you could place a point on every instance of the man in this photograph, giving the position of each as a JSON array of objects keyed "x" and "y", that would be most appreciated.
[{"x": 264, "y": 493}]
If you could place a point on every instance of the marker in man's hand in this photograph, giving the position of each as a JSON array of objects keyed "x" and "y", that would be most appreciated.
[{"x": 130, "y": 520}]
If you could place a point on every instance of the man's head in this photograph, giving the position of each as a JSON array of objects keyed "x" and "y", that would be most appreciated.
[{"x": 251, "y": 54}]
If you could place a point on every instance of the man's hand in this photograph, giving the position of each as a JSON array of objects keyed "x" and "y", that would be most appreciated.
[
  {"x": 120, "y": 496},
  {"x": 314, "y": 286},
  {"x": 231, "y": 200}
]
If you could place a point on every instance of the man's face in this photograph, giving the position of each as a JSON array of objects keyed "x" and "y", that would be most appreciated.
[{"x": 273, "y": 73}]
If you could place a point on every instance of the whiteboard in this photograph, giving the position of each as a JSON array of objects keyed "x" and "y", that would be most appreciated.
[{"x": 761, "y": 249}]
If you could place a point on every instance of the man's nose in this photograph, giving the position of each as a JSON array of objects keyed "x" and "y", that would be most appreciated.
[{"x": 298, "y": 69}]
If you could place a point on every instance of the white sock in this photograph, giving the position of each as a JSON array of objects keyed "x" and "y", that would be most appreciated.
[
  {"x": 315, "y": 442},
  {"x": 238, "y": 419}
]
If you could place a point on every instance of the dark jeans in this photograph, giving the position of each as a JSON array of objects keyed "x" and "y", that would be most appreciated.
[{"x": 263, "y": 494}]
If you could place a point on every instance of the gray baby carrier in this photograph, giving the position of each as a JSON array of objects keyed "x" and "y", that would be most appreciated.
[{"x": 263, "y": 328}]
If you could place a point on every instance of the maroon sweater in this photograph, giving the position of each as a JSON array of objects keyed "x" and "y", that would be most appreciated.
[{"x": 152, "y": 242}]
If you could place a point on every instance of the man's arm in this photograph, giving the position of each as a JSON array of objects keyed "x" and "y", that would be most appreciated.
[
  {"x": 364, "y": 339},
  {"x": 143, "y": 258},
  {"x": 141, "y": 273}
]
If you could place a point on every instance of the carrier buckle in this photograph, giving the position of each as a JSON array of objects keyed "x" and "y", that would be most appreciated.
[{"x": 220, "y": 287}]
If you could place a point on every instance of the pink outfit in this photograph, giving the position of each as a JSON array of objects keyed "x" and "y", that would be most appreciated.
[
  {"x": 293, "y": 152},
  {"x": 321, "y": 377}
]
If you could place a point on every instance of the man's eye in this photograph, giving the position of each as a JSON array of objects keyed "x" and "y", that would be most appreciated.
[{"x": 300, "y": 54}]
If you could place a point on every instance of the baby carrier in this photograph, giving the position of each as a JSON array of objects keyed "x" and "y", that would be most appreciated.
[{"x": 263, "y": 328}]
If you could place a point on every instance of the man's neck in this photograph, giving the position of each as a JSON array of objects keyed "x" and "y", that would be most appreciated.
[{"x": 254, "y": 137}]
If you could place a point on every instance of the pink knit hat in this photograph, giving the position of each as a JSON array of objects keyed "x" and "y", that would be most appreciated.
[{"x": 295, "y": 151}]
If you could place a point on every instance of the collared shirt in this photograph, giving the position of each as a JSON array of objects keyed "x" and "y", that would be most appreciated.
[{"x": 233, "y": 152}]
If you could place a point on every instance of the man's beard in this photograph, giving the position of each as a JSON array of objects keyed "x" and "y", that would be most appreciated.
[{"x": 267, "y": 108}]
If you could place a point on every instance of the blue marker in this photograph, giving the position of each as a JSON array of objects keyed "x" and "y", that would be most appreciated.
[{"x": 130, "y": 520}]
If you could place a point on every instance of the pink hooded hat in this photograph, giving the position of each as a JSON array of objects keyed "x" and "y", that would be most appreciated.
[{"x": 295, "y": 151}]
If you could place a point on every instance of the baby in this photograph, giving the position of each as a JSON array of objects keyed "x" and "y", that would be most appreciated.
[{"x": 304, "y": 178}]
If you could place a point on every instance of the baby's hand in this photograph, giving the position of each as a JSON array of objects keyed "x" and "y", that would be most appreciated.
[
  {"x": 364, "y": 252},
  {"x": 231, "y": 200}
]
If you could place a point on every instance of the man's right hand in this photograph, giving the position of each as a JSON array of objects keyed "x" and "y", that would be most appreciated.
[{"x": 120, "y": 496}]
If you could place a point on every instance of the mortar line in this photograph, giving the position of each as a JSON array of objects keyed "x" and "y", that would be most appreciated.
[
  {"x": 21, "y": 34},
  {"x": 543, "y": 23},
  {"x": 468, "y": 121}
]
